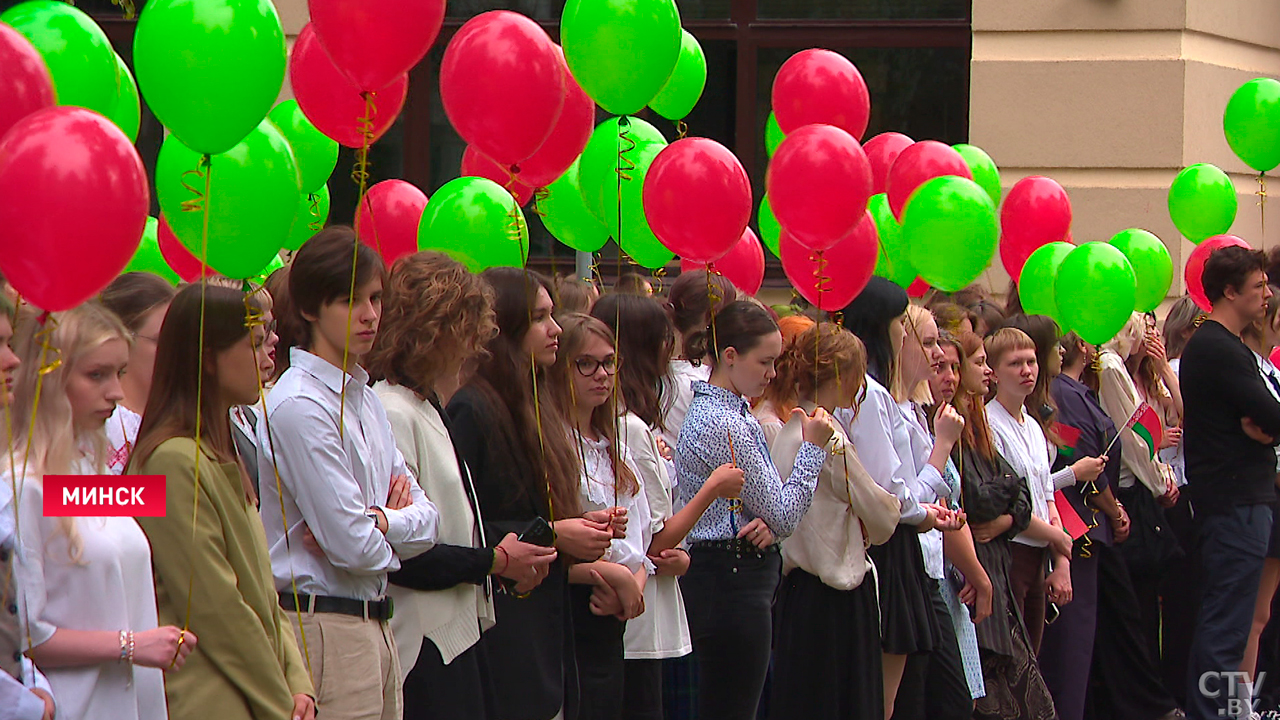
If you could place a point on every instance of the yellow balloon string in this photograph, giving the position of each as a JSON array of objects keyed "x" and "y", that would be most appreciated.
[
  {"x": 48, "y": 324},
  {"x": 253, "y": 317},
  {"x": 659, "y": 275},
  {"x": 360, "y": 174},
  {"x": 682, "y": 130},
  {"x": 130, "y": 12},
  {"x": 317, "y": 223},
  {"x": 1262, "y": 207},
  {"x": 514, "y": 224},
  {"x": 207, "y": 165},
  {"x": 623, "y": 168}
]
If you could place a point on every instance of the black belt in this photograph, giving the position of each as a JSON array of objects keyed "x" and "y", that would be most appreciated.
[
  {"x": 737, "y": 545},
  {"x": 367, "y": 609}
]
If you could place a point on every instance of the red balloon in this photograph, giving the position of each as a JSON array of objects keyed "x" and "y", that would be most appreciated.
[
  {"x": 846, "y": 266},
  {"x": 502, "y": 85},
  {"x": 475, "y": 164},
  {"x": 697, "y": 199},
  {"x": 568, "y": 138},
  {"x": 818, "y": 184},
  {"x": 331, "y": 102},
  {"x": 1194, "y": 272},
  {"x": 821, "y": 86},
  {"x": 75, "y": 200},
  {"x": 25, "y": 84},
  {"x": 1275, "y": 357},
  {"x": 1036, "y": 212},
  {"x": 179, "y": 258},
  {"x": 388, "y": 219},
  {"x": 917, "y": 164},
  {"x": 743, "y": 265},
  {"x": 374, "y": 42},
  {"x": 917, "y": 288},
  {"x": 881, "y": 151}
]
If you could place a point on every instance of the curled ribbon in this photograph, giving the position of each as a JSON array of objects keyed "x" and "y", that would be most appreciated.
[
  {"x": 1262, "y": 205},
  {"x": 196, "y": 204},
  {"x": 659, "y": 274},
  {"x": 682, "y": 130},
  {"x": 316, "y": 224},
  {"x": 360, "y": 172}
]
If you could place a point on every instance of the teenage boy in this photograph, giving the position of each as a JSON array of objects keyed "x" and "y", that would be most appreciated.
[
  {"x": 351, "y": 510},
  {"x": 1232, "y": 422}
]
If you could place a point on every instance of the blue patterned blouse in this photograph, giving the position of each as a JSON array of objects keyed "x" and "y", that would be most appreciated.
[{"x": 714, "y": 417}]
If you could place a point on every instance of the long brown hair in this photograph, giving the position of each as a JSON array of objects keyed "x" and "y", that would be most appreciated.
[
  {"x": 977, "y": 432},
  {"x": 171, "y": 406},
  {"x": 506, "y": 381},
  {"x": 645, "y": 340},
  {"x": 577, "y": 328}
]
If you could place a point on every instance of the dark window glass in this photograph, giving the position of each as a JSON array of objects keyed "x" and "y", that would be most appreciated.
[
  {"x": 864, "y": 9},
  {"x": 545, "y": 10}
]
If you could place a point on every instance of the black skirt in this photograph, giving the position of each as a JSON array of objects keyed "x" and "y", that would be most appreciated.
[
  {"x": 827, "y": 656},
  {"x": 599, "y": 648},
  {"x": 908, "y": 624}
]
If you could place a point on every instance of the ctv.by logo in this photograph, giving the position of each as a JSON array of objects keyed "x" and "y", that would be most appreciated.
[{"x": 1240, "y": 692}]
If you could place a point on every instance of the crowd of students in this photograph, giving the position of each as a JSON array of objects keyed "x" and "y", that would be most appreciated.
[{"x": 419, "y": 492}]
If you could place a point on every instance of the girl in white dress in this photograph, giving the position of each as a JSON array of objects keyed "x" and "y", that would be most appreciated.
[{"x": 88, "y": 607}]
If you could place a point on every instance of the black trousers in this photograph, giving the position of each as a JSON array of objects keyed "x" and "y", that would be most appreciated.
[
  {"x": 460, "y": 689},
  {"x": 728, "y": 597},
  {"x": 642, "y": 690},
  {"x": 599, "y": 647},
  {"x": 1126, "y": 683},
  {"x": 934, "y": 686}
]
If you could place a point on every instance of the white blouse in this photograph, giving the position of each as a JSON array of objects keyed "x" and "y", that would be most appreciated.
[
  {"x": 108, "y": 588},
  {"x": 598, "y": 491},
  {"x": 1022, "y": 443},
  {"x": 122, "y": 433},
  {"x": 662, "y": 630},
  {"x": 894, "y": 448}
]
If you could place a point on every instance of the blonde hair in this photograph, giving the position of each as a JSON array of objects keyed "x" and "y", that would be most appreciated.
[
  {"x": 916, "y": 317},
  {"x": 53, "y": 443}
]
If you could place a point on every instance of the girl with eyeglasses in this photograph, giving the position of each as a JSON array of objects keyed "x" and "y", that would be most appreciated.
[{"x": 610, "y": 591}]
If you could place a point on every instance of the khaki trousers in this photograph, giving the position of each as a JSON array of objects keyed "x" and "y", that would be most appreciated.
[{"x": 354, "y": 667}]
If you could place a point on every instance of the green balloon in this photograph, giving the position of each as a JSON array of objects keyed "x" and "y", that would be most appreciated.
[
  {"x": 949, "y": 227},
  {"x": 316, "y": 154},
  {"x": 984, "y": 169},
  {"x": 147, "y": 258},
  {"x": 770, "y": 230},
  {"x": 1151, "y": 263},
  {"x": 1202, "y": 202},
  {"x": 621, "y": 51},
  {"x": 261, "y": 276},
  {"x": 476, "y": 222},
  {"x": 251, "y": 204},
  {"x": 313, "y": 213},
  {"x": 76, "y": 51},
  {"x": 893, "y": 262},
  {"x": 126, "y": 111},
  {"x": 598, "y": 167},
  {"x": 566, "y": 218},
  {"x": 1095, "y": 291},
  {"x": 209, "y": 69},
  {"x": 1039, "y": 275},
  {"x": 684, "y": 87},
  {"x": 1250, "y": 122},
  {"x": 631, "y": 229},
  {"x": 773, "y": 135}
]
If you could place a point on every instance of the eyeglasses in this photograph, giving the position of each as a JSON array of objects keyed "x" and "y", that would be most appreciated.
[{"x": 587, "y": 366}]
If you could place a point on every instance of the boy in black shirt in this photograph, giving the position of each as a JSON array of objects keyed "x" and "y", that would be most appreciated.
[{"x": 1232, "y": 421}]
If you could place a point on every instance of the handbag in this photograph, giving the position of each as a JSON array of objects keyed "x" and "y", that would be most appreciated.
[{"x": 1151, "y": 544}]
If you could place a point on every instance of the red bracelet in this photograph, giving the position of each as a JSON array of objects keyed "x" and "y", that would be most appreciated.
[{"x": 507, "y": 562}]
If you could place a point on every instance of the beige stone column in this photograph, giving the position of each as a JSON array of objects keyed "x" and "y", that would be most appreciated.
[{"x": 1112, "y": 98}]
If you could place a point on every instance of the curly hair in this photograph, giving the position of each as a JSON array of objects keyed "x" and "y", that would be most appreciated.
[
  {"x": 822, "y": 354},
  {"x": 433, "y": 311}
]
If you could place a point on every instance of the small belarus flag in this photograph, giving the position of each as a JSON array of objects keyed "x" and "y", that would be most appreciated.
[
  {"x": 1146, "y": 425},
  {"x": 1070, "y": 437}
]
